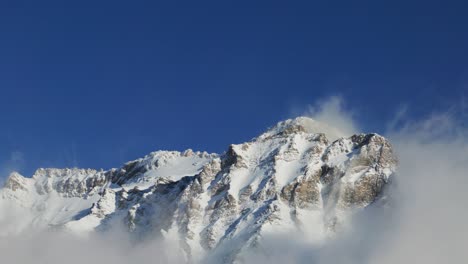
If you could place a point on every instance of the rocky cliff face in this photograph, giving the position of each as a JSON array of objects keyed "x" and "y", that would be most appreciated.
[{"x": 292, "y": 179}]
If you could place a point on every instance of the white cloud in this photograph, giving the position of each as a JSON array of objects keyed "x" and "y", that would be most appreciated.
[
  {"x": 332, "y": 111},
  {"x": 55, "y": 248},
  {"x": 15, "y": 162},
  {"x": 433, "y": 181}
]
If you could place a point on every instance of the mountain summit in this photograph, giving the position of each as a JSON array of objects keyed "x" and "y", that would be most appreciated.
[{"x": 300, "y": 177}]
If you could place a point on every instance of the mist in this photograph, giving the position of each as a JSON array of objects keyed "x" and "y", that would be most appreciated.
[
  {"x": 15, "y": 162},
  {"x": 431, "y": 226},
  {"x": 59, "y": 246}
]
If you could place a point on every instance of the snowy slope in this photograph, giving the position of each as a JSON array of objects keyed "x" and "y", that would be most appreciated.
[{"x": 299, "y": 177}]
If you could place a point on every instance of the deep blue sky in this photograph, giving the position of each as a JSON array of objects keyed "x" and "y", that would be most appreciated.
[{"x": 97, "y": 83}]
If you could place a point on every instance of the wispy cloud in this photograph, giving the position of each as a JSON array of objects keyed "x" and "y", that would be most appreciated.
[
  {"x": 15, "y": 162},
  {"x": 332, "y": 111}
]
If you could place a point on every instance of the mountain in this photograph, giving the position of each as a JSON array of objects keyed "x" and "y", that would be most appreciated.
[{"x": 300, "y": 177}]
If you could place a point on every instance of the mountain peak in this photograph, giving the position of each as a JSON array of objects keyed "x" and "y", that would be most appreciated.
[
  {"x": 15, "y": 181},
  {"x": 305, "y": 125}
]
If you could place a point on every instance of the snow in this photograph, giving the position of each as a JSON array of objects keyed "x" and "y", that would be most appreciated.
[
  {"x": 79, "y": 200},
  {"x": 240, "y": 179},
  {"x": 290, "y": 168},
  {"x": 309, "y": 126},
  {"x": 171, "y": 165}
]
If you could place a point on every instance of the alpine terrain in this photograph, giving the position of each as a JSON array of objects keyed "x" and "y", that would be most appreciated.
[{"x": 299, "y": 177}]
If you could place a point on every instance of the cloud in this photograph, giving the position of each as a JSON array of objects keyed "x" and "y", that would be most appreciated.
[
  {"x": 433, "y": 180},
  {"x": 15, "y": 162},
  {"x": 56, "y": 247},
  {"x": 332, "y": 111}
]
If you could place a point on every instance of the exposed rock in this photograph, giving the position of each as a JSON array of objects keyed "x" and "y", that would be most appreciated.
[{"x": 210, "y": 202}]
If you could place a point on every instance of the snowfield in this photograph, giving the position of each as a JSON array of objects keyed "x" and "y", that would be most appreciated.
[{"x": 300, "y": 178}]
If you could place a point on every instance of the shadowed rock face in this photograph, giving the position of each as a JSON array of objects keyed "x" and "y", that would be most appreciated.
[{"x": 291, "y": 179}]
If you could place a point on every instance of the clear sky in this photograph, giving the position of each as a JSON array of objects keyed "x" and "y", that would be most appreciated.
[{"x": 98, "y": 83}]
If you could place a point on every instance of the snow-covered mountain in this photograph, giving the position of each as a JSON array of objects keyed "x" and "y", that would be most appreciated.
[{"x": 299, "y": 177}]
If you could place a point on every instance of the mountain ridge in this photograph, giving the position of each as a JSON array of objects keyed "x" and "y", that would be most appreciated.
[{"x": 299, "y": 177}]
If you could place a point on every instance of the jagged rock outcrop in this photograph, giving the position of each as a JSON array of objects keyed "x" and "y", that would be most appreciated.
[{"x": 299, "y": 176}]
